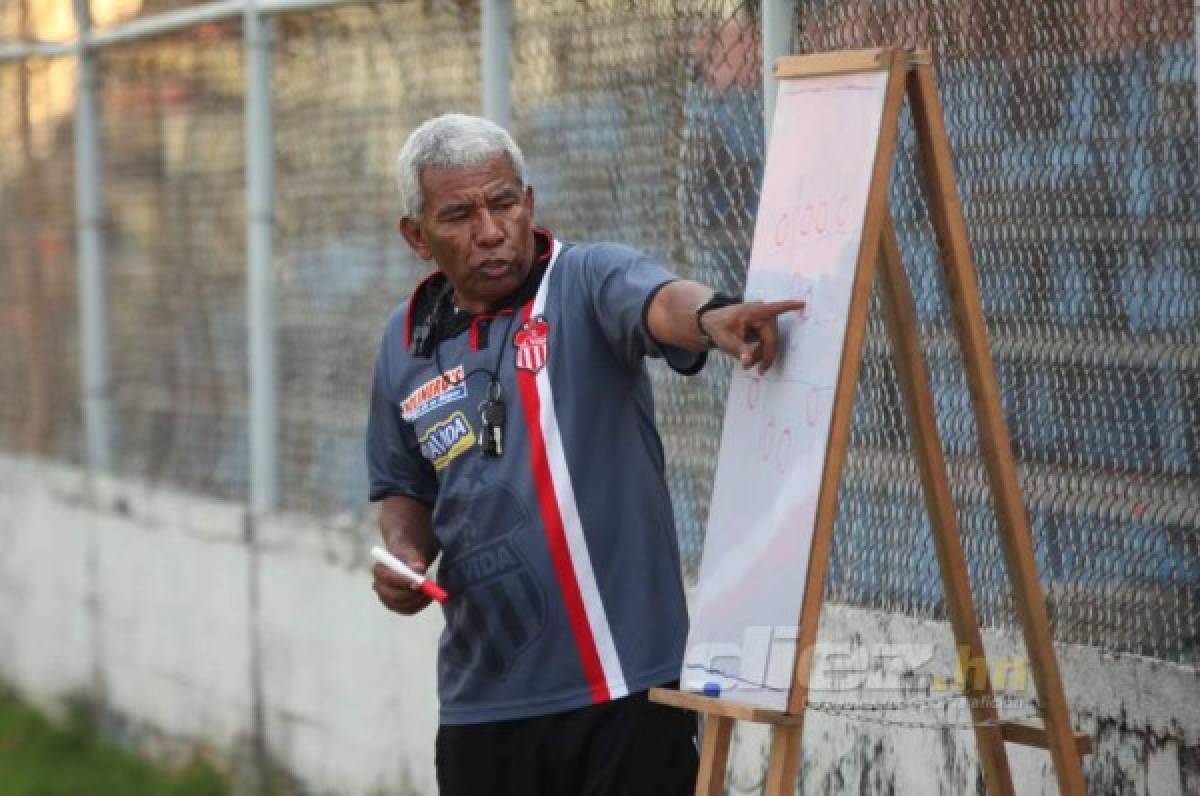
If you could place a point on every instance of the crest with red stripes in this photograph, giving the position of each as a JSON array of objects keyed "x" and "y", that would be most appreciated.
[{"x": 531, "y": 343}]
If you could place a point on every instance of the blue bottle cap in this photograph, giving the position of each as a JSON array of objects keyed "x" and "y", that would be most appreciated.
[{"x": 712, "y": 690}]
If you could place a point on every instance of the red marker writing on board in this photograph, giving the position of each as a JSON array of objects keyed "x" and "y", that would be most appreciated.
[{"x": 426, "y": 585}]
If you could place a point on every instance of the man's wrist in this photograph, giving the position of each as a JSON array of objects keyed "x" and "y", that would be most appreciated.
[{"x": 716, "y": 301}]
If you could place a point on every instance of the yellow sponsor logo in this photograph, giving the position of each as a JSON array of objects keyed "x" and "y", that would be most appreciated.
[{"x": 445, "y": 441}]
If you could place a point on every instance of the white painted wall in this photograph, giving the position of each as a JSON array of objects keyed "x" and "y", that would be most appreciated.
[
  {"x": 154, "y": 604},
  {"x": 1143, "y": 714},
  {"x": 195, "y": 628}
]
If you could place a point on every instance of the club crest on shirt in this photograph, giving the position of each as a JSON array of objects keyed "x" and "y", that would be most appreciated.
[
  {"x": 497, "y": 576},
  {"x": 531, "y": 342},
  {"x": 445, "y": 441},
  {"x": 500, "y": 609},
  {"x": 442, "y": 389}
]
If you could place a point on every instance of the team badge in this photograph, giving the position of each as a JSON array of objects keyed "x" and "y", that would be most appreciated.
[{"x": 531, "y": 342}]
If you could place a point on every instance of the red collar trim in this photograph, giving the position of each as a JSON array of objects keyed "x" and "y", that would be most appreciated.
[{"x": 477, "y": 321}]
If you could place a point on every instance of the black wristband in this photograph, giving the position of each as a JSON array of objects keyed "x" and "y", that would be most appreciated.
[{"x": 717, "y": 301}]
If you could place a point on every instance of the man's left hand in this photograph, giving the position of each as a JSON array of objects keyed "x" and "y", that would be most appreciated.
[{"x": 750, "y": 331}]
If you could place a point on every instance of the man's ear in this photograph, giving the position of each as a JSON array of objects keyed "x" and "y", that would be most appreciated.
[
  {"x": 415, "y": 237},
  {"x": 528, "y": 201}
]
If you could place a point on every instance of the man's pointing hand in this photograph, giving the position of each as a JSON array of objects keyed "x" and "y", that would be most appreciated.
[{"x": 750, "y": 331}]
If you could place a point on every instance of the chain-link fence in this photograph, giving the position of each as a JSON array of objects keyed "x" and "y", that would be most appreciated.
[
  {"x": 350, "y": 83},
  {"x": 39, "y": 356},
  {"x": 173, "y": 154},
  {"x": 1074, "y": 128}
]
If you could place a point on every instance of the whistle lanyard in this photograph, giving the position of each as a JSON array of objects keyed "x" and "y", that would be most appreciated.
[{"x": 492, "y": 411}]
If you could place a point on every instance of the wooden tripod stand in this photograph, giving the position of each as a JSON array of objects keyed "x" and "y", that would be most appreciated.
[{"x": 910, "y": 73}]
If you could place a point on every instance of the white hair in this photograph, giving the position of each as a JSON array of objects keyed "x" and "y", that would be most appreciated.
[{"x": 452, "y": 140}]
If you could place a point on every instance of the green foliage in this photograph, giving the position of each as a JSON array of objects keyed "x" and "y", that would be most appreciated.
[{"x": 38, "y": 758}]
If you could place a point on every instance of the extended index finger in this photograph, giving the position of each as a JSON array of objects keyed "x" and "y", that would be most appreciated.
[{"x": 769, "y": 309}]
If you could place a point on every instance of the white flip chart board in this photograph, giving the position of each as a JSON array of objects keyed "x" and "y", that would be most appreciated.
[{"x": 773, "y": 447}]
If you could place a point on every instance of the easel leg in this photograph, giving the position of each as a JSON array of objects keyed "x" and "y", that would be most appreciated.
[
  {"x": 714, "y": 755},
  {"x": 1016, "y": 540},
  {"x": 913, "y": 375},
  {"x": 783, "y": 765}
]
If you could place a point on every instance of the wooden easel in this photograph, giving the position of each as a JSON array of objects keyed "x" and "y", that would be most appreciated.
[{"x": 911, "y": 72}]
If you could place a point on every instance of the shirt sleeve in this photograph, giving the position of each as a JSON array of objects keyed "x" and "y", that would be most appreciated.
[
  {"x": 395, "y": 465},
  {"x": 622, "y": 282}
]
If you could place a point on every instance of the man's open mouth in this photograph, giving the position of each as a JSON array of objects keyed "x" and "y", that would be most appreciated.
[{"x": 493, "y": 269}]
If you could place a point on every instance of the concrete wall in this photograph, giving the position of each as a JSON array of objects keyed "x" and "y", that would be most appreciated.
[
  {"x": 262, "y": 645},
  {"x": 1144, "y": 717},
  {"x": 192, "y": 627}
]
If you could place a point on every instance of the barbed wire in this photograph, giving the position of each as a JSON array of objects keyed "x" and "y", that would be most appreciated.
[{"x": 873, "y": 712}]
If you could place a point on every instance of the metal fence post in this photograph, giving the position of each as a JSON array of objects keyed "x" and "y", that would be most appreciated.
[
  {"x": 260, "y": 299},
  {"x": 93, "y": 288},
  {"x": 776, "y": 41},
  {"x": 495, "y": 60},
  {"x": 1196, "y": 42}
]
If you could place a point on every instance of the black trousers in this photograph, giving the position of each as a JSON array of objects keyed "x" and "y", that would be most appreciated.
[{"x": 627, "y": 747}]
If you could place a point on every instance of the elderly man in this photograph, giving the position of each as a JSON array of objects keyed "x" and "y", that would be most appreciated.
[{"x": 512, "y": 432}]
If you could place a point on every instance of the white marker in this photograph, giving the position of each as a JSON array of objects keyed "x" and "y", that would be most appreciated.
[{"x": 427, "y": 586}]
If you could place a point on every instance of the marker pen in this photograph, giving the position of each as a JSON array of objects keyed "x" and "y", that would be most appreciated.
[{"x": 427, "y": 586}]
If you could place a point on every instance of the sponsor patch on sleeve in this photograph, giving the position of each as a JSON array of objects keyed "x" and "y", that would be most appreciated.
[
  {"x": 447, "y": 440},
  {"x": 445, "y": 388}
]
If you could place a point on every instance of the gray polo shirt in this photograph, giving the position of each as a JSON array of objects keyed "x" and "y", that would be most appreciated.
[{"x": 560, "y": 555}]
